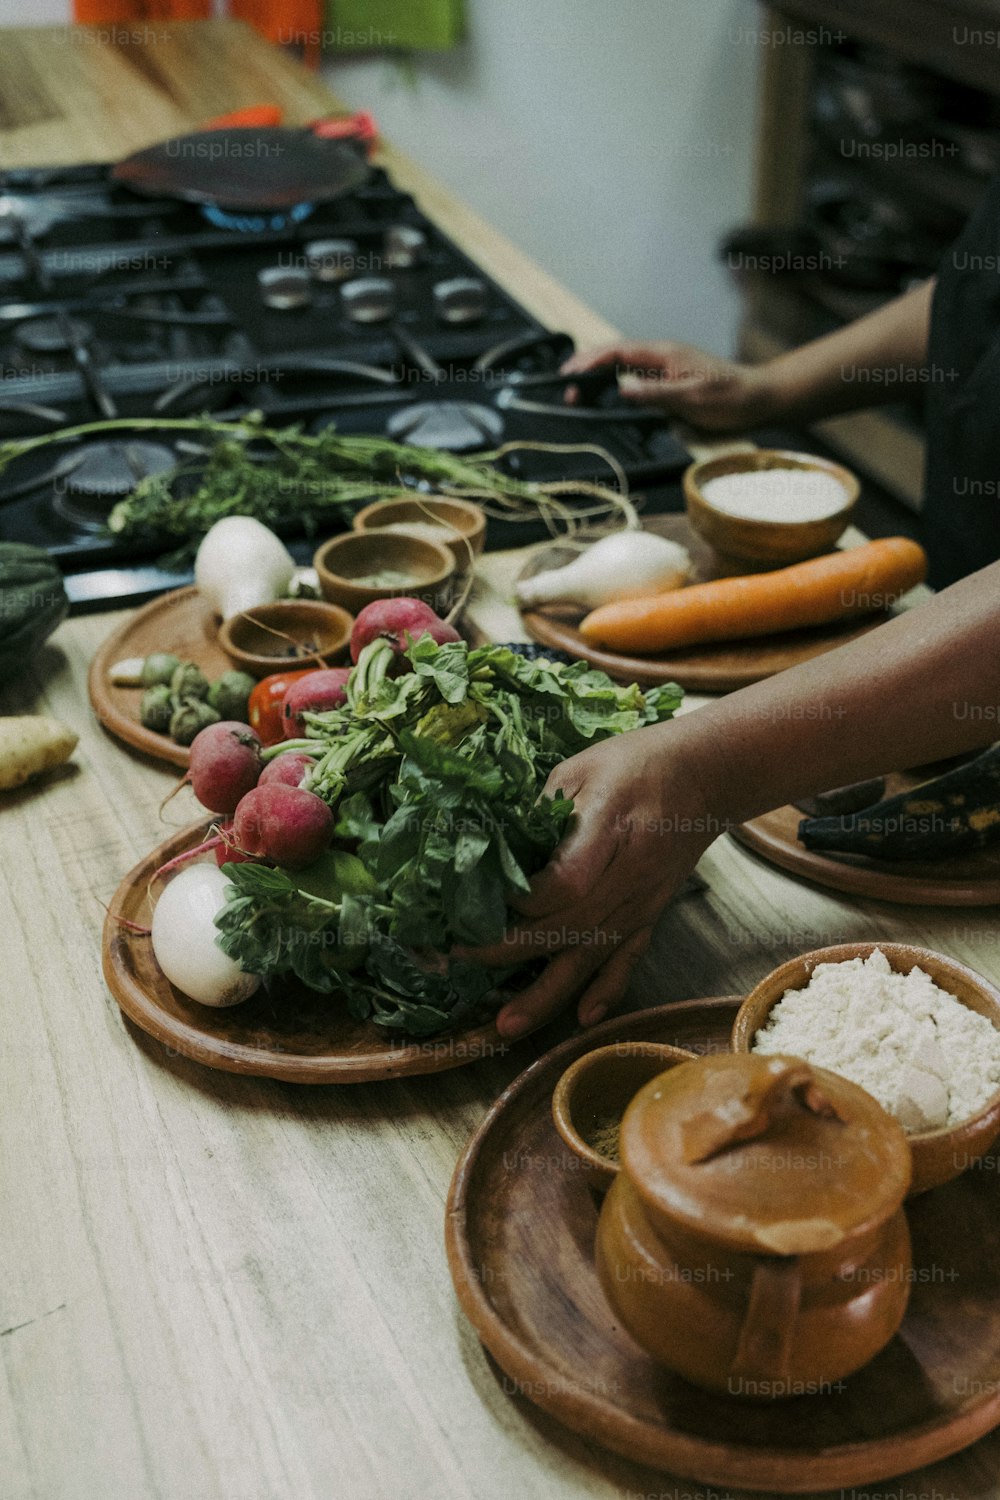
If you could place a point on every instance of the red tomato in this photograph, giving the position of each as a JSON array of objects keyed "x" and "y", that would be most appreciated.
[{"x": 265, "y": 704}]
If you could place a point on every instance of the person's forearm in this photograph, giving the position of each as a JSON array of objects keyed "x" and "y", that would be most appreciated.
[
  {"x": 918, "y": 689},
  {"x": 867, "y": 363}
]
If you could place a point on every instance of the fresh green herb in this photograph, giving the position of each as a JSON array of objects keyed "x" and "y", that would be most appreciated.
[
  {"x": 284, "y": 476},
  {"x": 436, "y": 776}
]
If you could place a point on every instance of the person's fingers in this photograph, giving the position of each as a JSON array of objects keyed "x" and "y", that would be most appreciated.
[
  {"x": 607, "y": 992},
  {"x": 592, "y": 359},
  {"x": 582, "y": 856},
  {"x": 599, "y": 925},
  {"x": 515, "y": 947},
  {"x": 561, "y": 979},
  {"x": 575, "y": 921},
  {"x": 568, "y": 882},
  {"x": 662, "y": 391}
]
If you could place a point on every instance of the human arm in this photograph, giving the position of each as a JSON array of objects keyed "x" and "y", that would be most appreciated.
[
  {"x": 923, "y": 686},
  {"x": 865, "y": 363}
]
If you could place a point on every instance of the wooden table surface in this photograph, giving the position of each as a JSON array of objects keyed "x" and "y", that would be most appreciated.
[{"x": 216, "y": 1288}]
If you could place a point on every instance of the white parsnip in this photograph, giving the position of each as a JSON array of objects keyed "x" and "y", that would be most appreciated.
[{"x": 31, "y": 744}]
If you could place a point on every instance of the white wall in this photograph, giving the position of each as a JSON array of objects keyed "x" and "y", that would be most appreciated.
[
  {"x": 34, "y": 13},
  {"x": 611, "y": 139}
]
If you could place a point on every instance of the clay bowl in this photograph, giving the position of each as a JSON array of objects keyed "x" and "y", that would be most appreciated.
[
  {"x": 939, "y": 1156},
  {"x": 344, "y": 560},
  {"x": 319, "y": 631},
  {"x": 462, "y": 525},
  {"x": 751, "y": 544},
  {"x": 594, "y": 1093}
]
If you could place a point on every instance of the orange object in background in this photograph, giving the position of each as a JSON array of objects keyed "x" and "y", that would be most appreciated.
[
  {"x": 257, "y": 116},
  {"x": 106, "y": 12},
  {"x": 289, "y": 23},
  {"x": 264, "y": 709}
]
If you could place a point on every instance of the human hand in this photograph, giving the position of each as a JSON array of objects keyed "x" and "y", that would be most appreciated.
[
  {"x": 639, "y": 827},
  {"x": 703, "y": 389}
]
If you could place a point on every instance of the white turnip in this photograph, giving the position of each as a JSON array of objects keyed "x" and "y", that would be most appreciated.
[
  {"x": 625, "y": 565},
  {"x": 185, "y": 939}
]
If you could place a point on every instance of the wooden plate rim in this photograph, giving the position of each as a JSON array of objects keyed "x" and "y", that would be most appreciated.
[
  {"x": 790, "y": 1471},
  {"x": 652, "y": 671},
  {"x": 408, "y": 1060},
  {"x": 878, "y": 880},
  {"x": 111, "y": 718}
]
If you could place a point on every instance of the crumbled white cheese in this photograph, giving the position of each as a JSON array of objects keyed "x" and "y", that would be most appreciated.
[{"x": 927, "y": 1058}]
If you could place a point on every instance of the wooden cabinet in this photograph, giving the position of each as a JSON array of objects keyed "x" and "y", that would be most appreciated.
[{"x": 954, "y": 49}]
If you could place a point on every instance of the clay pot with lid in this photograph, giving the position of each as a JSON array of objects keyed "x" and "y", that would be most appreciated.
[{"x": 754, "y": 1240}]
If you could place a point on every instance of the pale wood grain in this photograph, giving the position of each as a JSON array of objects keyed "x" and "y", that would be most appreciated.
[{"x": 215, "y": 1288}]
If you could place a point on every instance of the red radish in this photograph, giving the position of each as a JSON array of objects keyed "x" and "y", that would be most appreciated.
[
  {"x": 283, "y": 823},
  {"x": 314, "y": 693},
  {"x": 289, "y": 769},
  {"x": 224, "y": 764},
  {"x": 398, "y": 621}
]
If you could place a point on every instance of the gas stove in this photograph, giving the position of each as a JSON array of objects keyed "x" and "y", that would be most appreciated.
[{"x": 358, "y": 312}]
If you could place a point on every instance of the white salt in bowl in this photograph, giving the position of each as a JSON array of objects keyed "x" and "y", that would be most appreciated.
[
  {"x": 751, "y": 541},
  {"x": 939, "y": 1156}
]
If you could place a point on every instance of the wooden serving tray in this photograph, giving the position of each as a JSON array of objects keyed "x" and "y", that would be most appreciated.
[
  {"x": 961, "y": 880},
  {"x": 520, "y": 1234},
  {"x": 297, "y": 1034},
  {"x": 719, "y": 668},
  {"x": 180, "y": 622}
]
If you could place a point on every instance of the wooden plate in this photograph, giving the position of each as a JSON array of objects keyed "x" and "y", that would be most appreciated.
[
  {"x": 297, "y": 1035},
  {"x": 962, "y": 880},
  {"x": 706, "y": 669},
  {"x": 179, "y": 622},
  {"x": 520, "y": 1234}
]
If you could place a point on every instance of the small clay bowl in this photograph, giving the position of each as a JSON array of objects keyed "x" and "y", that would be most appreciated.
[
  {"x": 462, "y": 525},
  {"x": 745, "y": 541},
  {"x": 320, "y": 630},
  {"x": 595, "y": 1091},
  {"x": 939, "y": 1156},
  {"x": 344, "y": 560}
]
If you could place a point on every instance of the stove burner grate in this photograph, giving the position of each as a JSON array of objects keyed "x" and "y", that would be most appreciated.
[
  {"x": 242, "y": 223},
  {"x": 53, "y": 335},
  {"x": 456, "y": 426},
  {"x": 103, "y": 473}
]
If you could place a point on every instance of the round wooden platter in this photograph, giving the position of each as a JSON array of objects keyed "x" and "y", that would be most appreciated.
[
  {"x": 706, "y": 669},
  {"x": 520, "y": 1234},
  {"x": 179, "y": 622},
  {"x": 293, "y": 1034},
  {"x": 966, "y": 880}
]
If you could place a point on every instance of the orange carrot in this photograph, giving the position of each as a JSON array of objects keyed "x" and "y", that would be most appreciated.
[{"x": 837, "y": 586}]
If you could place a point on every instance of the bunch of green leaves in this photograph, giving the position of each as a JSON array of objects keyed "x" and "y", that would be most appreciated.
[
  {"x": 289, "y": 477},
  {"x": 437, "y": 777}
]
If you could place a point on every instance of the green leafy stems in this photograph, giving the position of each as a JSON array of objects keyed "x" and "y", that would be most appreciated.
[
  {"x": 288, "y": 476},
  {"x": 436, "y": 774}
]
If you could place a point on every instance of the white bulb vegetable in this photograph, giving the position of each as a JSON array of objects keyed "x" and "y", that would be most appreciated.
[
  {"x": 184, "y": 938},
  {"x": 625, "y": 565},
  {"x": 241, "y": 564}
]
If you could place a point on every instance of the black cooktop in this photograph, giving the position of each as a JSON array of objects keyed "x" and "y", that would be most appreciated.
[{"x": 358, "y": 312}]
